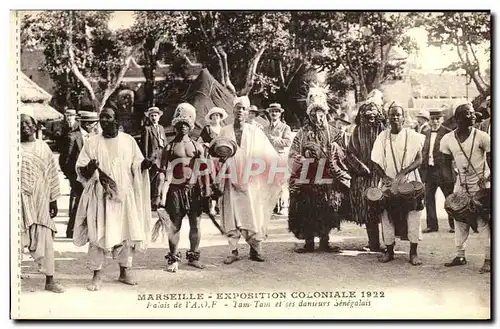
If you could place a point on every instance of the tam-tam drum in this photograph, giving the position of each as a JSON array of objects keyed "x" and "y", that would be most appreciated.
[
  {"x": 459, "y": 206},
  {"x": 481, "y": 203},
  {"x": 408, "y": 195},
  {"x": 376, "y": 198}
]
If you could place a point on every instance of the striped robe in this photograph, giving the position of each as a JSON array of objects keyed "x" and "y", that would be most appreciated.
[
  {"x": 39, "y": 187},
  {"x": 360, "y": 146}
]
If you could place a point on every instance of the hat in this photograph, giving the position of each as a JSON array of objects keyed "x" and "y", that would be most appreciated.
[
  {"x": 186, "y": 113},
  {"x": 243, "y": 100},
  {"x": 436, "y": 112},
  {"x": 423, "y": 114},
  {"x": 214, "y": 110},
  {"x": 153, "y": 109},
  {"x": 254, "y": 108},
  {"x": 344, "y": 118},
  {"x": 317, "y": 97},
  {"x": 222, "y": 147},
  {"x": 275, "y": 106},
  {"x": 87, "y": 116},
  {"x": 69, "y": 112}
]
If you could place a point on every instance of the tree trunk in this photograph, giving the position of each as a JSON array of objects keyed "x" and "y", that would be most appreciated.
[
  {"x": 149, "y": 73},
  {"x": 252, "y": 70}
]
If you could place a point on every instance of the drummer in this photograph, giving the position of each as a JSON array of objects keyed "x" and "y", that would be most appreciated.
[
  {"x": 397, "y": 153},
  {"x": 470, "y": 149}
]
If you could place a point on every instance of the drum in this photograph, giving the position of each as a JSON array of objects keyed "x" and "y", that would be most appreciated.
[
  {"x": 409, "y": 195},
  {"x": 459, "y": 206},
  {"x": 376, "y": 198},
  {"x": 222, "y": 147},
  {"x": 481, "y": 203}
]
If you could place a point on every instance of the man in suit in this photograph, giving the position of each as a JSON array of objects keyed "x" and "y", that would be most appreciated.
[
  {"x": 153, "y": 140},
  {"x": 73, "y": 145},
  {"x": 423, "y": 118},
  {"x": 280, "y": 136},
  {"x": 485, "y": 125},
  {"x": 434, "y": 171}
]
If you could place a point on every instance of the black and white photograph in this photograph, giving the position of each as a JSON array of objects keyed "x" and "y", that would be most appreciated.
[{"x": 237, "y": 164}]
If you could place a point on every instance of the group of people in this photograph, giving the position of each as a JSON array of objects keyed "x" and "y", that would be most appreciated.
[{"x": 117, "y": 182}]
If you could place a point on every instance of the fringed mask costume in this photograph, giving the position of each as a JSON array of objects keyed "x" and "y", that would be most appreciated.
[
  {"x": 314, "y": 203},
  {"x": 370, "y": 122}
]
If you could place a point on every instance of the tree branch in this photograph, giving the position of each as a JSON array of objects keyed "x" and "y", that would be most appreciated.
[
  {"x": 110, "y": 90},
  {"x": 252, "y": 70},
  {"x": 293, "y": 76},
  {"x": 227, "y": 78},
  {"x": 221, "y": 67},
  {"x": 281, "y": 75},
  {"x": 74, "y": 68}
]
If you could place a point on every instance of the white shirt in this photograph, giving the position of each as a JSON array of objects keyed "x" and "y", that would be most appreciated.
[
  {"x": 467, "y": 175},
  {"x": 431, "y": 148},
  {"x": 85, "y": 134},
  {"x": 157, "y": 127}
]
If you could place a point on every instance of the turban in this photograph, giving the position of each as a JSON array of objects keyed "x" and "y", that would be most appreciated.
[
  {"x": 243, "y": 100},
  {"x": 186, "y": 113}
]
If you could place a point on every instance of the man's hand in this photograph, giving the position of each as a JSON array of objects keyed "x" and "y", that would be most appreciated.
[
  {"x": 92, "y": 166},
  {"x": 53, "y": 209},
  {"x": 387, "y": 181},
  {"x": 146, "y": 164}
]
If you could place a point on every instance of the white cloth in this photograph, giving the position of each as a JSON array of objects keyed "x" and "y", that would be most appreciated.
[
  {"x": 249, "y": 206},
  {"x": 122, "y": 253},
  {"x": 103, "y": 222},
  {"x": 382, "y": 154},
  {"x": 431, "y": 148},
  {"x": 462, "y": 231},
  {"x": 468, "y": 176},
  {"x": 414, "y": 227}
]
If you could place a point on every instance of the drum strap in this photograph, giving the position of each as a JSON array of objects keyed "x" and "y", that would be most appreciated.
[
  {"x": 394, "y": 156},
  {"x": 468, "y": 157}
]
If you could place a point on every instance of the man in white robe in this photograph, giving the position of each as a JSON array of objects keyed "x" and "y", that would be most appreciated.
[
  {"x": 112, "y": 219},
  {"x": 397, "y": 153},
  {"x": 247, "y": 204},
  {"x": 39, "y": 194}
]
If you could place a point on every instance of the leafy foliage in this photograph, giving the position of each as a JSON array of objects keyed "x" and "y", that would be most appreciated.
[{"x": 468, "y": 34}]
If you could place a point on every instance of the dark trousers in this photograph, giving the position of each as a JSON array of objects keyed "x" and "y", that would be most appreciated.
[
  {"x": 373, "y": 235},
  {"x": 157, "y": 179},
  {"x": 432, "y": 182},
  {"x": 75, "y": 194}
]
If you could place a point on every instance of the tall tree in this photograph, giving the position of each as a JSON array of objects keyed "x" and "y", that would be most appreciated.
[
  {"x": 232, "y": 44},
  {"x": 360, "y": 43},
  {"x": 80, "y": 43},
  {"x": 158, "y": 32},
  {"x": 468, "y": 34}
]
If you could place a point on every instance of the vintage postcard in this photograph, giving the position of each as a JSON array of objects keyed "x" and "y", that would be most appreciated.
[{"x": 250, "y": 165}]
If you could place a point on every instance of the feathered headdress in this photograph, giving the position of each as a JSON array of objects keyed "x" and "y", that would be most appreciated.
[
  {"x": 186, "y": 113},
  {"x": 317, "y": 97}
]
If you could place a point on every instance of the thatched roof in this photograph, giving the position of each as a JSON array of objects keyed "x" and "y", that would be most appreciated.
[
  {"x": 40, "y": 111},
  {"x": 34, "y": 100},
  {"x": 30, "y": 91}
]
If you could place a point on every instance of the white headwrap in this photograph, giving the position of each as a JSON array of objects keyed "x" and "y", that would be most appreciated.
[
  {"x": 184, "y": 112},
  {"x": 317, "y": 97},
  {"x": 243, "y": 100}
]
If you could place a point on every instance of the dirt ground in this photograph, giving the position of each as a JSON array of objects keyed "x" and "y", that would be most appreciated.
[{"x": 427, "y": 291}]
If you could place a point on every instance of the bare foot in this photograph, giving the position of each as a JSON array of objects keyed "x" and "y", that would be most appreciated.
[
  {"x": 172, "y": 268},
  {"x": 127, "y": 279},
  {"x": 54, "y": 287},
  {"x": 95, "y": 285},
  {"x": 386, "y": 258},
  {"x": 415, "y": 261},
  {"x": 486, "y": 268},
  {"x": 197, "y": 264}
]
